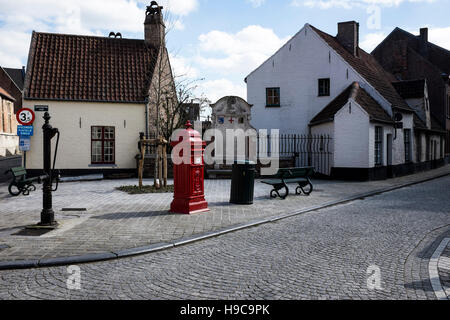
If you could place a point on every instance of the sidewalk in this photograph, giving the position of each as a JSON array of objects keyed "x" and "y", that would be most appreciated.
[{"x": 116, "y": 224}]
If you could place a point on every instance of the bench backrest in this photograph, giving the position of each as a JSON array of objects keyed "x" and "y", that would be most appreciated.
[
  {"x": 19, "y": 171},
  {"x": 289, "y": 173}
]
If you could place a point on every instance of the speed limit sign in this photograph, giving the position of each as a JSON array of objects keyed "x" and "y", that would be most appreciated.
[{"x": 25, "y": 117}]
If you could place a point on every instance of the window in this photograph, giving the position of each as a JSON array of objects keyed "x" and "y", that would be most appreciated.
[
  {"x": 378, "y": 146},
  {"x": 419, "y": 147},
  {"x": 407, "y": 138},
  {"x": 324, "y": 87},
  {"x": 103, "y": 145},
  {"x": 448, "y": 107},
  {"x": 448, "y": 142},
  {"x": 273, "y": 97}
]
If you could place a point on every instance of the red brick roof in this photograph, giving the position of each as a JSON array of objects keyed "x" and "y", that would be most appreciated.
[
  {"x": 6, "y": 95},
  {"x": 87, "y": 68},
  {"x": 370, "y": 69},
  {"x": 372, "y": 107}
]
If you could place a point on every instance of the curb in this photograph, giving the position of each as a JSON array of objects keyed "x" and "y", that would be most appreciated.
[
  {"x": 125, "y": 253},
  {"x": 433, "y": 271}
]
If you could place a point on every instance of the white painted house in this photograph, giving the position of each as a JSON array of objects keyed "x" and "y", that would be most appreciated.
[{"x": 320, "y": 84}]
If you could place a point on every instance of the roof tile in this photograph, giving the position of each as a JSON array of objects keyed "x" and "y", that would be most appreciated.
[
  {"x": 372, "y": 107},
  {"x": 87, "y": 68},
  {"x": 370, "y": 69}
]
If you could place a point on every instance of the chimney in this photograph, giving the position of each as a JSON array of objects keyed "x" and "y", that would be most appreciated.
[
  {"x": 423, "y": 42},
  {"x": 424, "y": 34},
  {"x": 348, "y": 36},
  {"x": 154, "y": 28}
]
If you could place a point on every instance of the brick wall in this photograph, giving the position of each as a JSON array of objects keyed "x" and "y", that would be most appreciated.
[{"x": 10, "y": 87}]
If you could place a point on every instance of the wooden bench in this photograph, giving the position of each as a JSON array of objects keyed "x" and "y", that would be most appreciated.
[
  {"x": 301, "y": 176},
  {"x": 20, "y": 183}
]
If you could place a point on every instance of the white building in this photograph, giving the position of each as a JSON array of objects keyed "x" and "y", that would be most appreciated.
[
  {"x": 99, "y": 92},
  {"x": 320, "y": 84}
]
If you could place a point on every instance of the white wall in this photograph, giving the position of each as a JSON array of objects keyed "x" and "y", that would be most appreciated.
[
  {"x": 351, "y": 132},
  {"x": 9, "y": 144},
  {"x": 398, "y": 142},
  {"x": 296, "y": 68},
  {"x": 326, "y": 129},
  {"x": 75, "y": 143}
]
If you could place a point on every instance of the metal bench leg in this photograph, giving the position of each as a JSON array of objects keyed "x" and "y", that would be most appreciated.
[
  {"x": 14, "y": 190},
  {"x": 308, "y": 191},
  {"x": 274, "y": 193}
]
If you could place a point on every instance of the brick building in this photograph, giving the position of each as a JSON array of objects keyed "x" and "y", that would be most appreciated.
[{"x": 411, "y": 57}]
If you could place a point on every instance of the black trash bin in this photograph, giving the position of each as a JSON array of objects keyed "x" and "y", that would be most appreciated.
[{"x": 243, "y": 182}]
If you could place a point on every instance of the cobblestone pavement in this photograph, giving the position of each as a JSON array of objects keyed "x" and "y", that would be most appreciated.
[
  {"x": 318, "y": 255},
  {"x": 115, "y": 220},
  {"x": 444, "y": 270}
]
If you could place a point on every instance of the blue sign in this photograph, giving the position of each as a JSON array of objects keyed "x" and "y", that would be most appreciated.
[
  {"x": 25, "y": 131},
  {"x": 24, "y": 144}
]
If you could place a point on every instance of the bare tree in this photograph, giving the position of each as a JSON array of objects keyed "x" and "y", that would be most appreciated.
[{"x": 168, "y": 96}]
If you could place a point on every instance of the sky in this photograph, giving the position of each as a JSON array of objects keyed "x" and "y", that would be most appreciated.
[{"x": 216, "y": 42}]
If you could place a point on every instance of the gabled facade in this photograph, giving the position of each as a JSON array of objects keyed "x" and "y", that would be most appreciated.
[
  {"x": 9, "y": 141},
  {"x": 324, "y": 85},
  {"x": 309, "y": 72},
  {"x": 428, "y": 134},
  {"x": 100, "y": 93},
  {"x": 411, "y": 57}
]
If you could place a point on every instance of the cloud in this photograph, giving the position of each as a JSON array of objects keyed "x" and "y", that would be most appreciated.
[
  {"x": 440, "y": 36},
  {"x": 216, "y": 89},
  {"x": 372, "y": 40},
  {"x": 239, "y": 52},
  {"x": 348, "y": 4},
  {"x": 256, "y": 3},
  {"x": 177, "y": 7},
  {"x": 436, "y": 35},
  {"x": 182, "y": 67},
  {"x": 14, "y": 48},
  {"x": 89, "y": 17}
]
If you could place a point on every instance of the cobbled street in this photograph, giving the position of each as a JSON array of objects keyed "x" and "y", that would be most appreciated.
[{"x": 323, "y": 254}]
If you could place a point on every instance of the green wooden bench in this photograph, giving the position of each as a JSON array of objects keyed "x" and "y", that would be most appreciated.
[
  {"x": 301, "y": 176},
  {"x": 20, "y": 183}
]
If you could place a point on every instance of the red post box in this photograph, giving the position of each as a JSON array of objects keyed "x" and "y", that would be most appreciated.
[{"x": 189, "y": 184}]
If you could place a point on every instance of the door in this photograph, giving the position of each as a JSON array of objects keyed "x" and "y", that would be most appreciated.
[{"x": 389, "y": 150}]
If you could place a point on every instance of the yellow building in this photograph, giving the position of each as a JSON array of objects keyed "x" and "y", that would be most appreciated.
[{"x": 99, "y": 92}]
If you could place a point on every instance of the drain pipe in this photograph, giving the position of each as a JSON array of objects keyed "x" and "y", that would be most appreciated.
[{"x": 147, "y": 105}]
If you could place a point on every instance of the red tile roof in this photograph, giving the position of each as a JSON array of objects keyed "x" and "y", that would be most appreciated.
[
  {"x": 88, "y": 68},
  {"x": 372, "y": 107},
  {"x": 370, "y": 69},
  {"x": 6, "y": 95}
]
